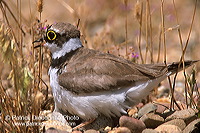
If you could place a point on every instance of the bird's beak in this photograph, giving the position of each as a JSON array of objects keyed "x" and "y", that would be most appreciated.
[{"x": 41, "y": 40}]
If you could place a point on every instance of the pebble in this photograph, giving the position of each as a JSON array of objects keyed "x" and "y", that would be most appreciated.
[
  {"x": 149, "y": 131},
  {"x": 152, "y": 120},
  {"x": 107, "y": 129},
  {"x": 167, "y": 113},
  {"x": 177, "y": 122},
  {"x": 150, "y": 107},
  {"x": 91, "y": 131},
  {"x": 187, "y": 115},
  {"x": 133, "y": 112},
  {"x": 100, "y": 123},
  {"x": 53, "y": 130},
  {"x": 161, "y": 107},
  {"x": 135, "y": 125},
  {"x": 76, "y": 132},
  {"x": 57, "y": 125},
  {"x": 120, "y": 130},
  {"x": 164, "y": 104},
  {"x": 55, "y": 122},
  {"x": 193, "y": 127},
  {"x": 139, "y": 105},
  {"x": 168, "y": 129}
]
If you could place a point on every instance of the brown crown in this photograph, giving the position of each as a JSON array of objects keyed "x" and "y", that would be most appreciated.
[
  {"x": 64, "y": 32},
  {"x": 66, "y": 28}
]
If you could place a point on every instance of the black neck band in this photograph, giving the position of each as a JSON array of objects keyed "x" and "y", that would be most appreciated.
[{"x": 58, "y": 62}]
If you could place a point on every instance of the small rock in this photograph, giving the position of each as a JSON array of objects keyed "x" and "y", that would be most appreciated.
[
  {"x": 107, "y": 129},
  {"x": 187, "y": 115},
  {"x": 100, "y": 123},
  {"x": 53, "y": 130},
  {"x": 132, "y": 112},
  {"x": 56, "y": 121},
  {"x": 133, "y": 124},
  {"x": 152, "y": 120},
  {"x": 167, "y": 113},
  {"x": 112, "y": 131},
  {"x": 163, "y": 100},
  {"x": 149, "y": 131},
  {"x": 120, "y": 130},
  {"x": 139, "y": 105},
  {"x": 147, "y": 109},
  {"x": 177, "y": 122},
  {"x": 161, "y": 107},
  {"x": 168, "y": 129},
  {"x": 163, "y": 104},
  {"x": 54, "y": 125},
  {"x": 91, "y": 131},
  {"x": 193, "y": 127},
  {"x": 76, "y": 132}
]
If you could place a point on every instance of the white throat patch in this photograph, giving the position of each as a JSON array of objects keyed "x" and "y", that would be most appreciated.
[{"x": 71, "y": 45}]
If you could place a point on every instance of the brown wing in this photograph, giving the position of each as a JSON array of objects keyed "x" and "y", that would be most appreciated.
[{"x": 89, "y": 71}]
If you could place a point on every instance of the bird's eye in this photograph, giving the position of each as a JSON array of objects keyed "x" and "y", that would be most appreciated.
[{"x": 51, "y": 35}]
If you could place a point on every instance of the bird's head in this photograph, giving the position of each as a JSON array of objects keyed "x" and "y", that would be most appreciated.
[{"x": 61, "y": 38}]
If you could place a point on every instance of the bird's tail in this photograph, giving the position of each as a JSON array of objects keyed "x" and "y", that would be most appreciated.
[{"x": 174, "y": 67}]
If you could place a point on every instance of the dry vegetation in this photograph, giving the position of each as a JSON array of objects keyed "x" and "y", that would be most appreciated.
[{"x": 143, "y": 31}]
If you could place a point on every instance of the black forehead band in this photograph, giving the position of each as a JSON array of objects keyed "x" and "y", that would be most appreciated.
[{"x": 49, "y": 27}]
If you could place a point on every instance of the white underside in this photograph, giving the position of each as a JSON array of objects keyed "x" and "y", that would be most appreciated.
[{"x": 90, "y": 105}]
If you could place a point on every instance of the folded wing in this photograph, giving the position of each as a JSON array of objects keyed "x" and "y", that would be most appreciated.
[{"x": 96, "y": 71}]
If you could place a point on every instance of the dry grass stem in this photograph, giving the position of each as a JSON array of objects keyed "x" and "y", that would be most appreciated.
[{"x": 141, "y": 31}]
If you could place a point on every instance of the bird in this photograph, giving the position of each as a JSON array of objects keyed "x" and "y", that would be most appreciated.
[{"x": 89, "y": 83}]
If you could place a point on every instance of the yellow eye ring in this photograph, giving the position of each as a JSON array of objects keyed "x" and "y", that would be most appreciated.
[{"x": 51, "y": 35}]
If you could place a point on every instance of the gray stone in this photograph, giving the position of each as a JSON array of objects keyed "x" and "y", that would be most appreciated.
[
  {"x": 121, "y": 130},
  {"x": 177, "y": 122},
  {"x": 149, "y": 131},
  {"x": 91, "y": 131},
  {"x": 152, "y": 120},
  {"x": 150, "y": 107},
  {"x": 53, "y": 130},
  {"x": 168, "y": 129},
  {"x": 187, "y": 115},
  {"x": 135, "y": 125},
  {"x": 193, "y": 127},
  {"x": 100, "y": 123}
]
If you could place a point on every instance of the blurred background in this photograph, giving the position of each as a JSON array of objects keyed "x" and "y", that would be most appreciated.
[
  {"x": 143, "y": 31},
  {"x": 103, "y": 23},
  {"x": 128, "y": 28}
]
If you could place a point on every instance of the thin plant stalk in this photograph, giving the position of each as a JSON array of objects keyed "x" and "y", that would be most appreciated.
[
  {"x": 146, "y": 32},
  {"x": 159, "y": 45},
  {"x": 7, "y": 21},
  {"x": 173, "y": 101},
  {"x": 139, "y": 16},
  {"x": 184, "y": 49},
  {"x": 40, "y": 8},
  {"x": 150, "y": 32},
  {"x": 126, "y": 27}
]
